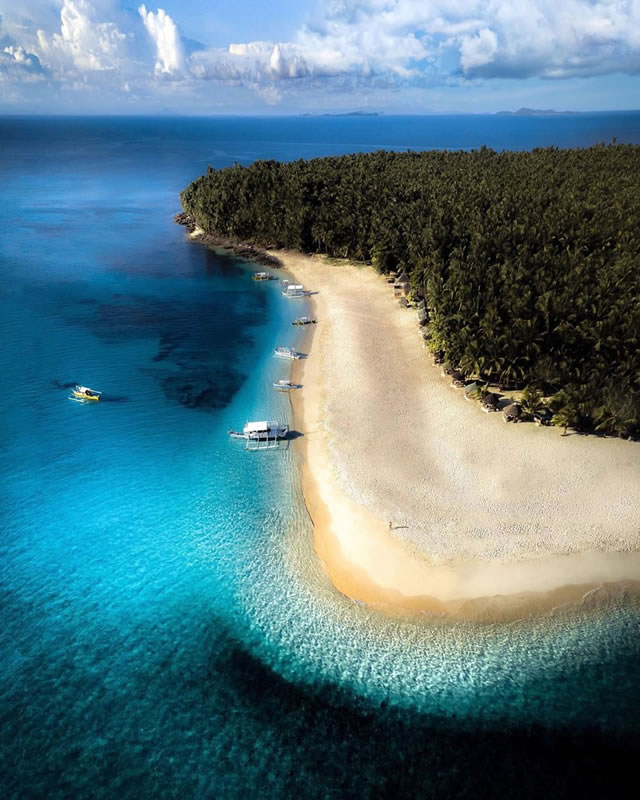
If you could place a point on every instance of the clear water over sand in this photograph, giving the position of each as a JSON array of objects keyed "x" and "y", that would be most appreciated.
[{"x": 166, "y": 627}]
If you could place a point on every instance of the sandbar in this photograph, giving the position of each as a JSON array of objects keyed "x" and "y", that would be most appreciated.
[{"x": 488, "y": 520}]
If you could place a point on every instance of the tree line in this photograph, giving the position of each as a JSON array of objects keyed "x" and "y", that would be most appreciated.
[{"x": 528, "y": 262}]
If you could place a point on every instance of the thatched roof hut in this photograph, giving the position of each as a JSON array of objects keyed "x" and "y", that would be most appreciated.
[
  {"x": 490, "y": 401},
  {"x": 542, "y": 417},
  {"x": 402, "y": 285},
  {"x": 512, "y": 412}
]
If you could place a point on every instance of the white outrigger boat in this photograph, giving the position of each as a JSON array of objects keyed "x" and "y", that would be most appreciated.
[
  {"x": 287, "y": 352},
  {"x": 82, "y": 394},
  {"x": 293, "y": 290},
  {"x": 286, "y": 386},
  {"x": 261, "y": 435},
  {"x": 303, "y": 321},
  {"x": 262, "y": 276}
]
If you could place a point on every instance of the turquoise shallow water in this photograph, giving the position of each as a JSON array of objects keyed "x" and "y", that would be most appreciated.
[{"x": 165, "y": 627}]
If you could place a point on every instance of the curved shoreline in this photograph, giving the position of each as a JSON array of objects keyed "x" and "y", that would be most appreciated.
[{"x": 503, "y": 574}]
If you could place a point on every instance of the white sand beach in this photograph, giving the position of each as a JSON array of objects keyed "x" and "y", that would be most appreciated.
[{"x": 480, "y": 509}]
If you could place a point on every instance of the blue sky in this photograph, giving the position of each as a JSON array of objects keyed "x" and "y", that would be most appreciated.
[{"x": 292, "y": 56}]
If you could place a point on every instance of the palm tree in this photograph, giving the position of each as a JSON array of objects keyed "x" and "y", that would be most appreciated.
[
  {"x": 531, "y": 401},
  {"x": 564, "y": 418}
]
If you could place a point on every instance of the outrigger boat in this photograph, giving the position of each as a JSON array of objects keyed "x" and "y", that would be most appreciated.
[
  {"x": 262, "y": 276},
  {"x": 293, "y": 290},
  {"x": 286, "y": 352},
  {"x": 85, "y": 395},
  {"x": 286, "y": 386},
  {"x": 261, "y": 435},
  {"x": 303, "y": 321}
]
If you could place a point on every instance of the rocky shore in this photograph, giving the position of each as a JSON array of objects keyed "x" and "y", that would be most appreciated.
[{"x": 241, "y": 249}]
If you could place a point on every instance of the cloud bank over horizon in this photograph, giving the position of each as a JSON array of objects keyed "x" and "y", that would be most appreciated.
[{"x": 346, "y": 51}]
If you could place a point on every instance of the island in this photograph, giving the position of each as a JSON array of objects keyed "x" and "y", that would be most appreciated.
[
  {"x": 516, "y": 273},
  {"x": 534, "y": 112}
]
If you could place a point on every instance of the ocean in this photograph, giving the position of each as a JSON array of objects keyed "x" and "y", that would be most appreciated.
[{"x": 166, "y": 629}]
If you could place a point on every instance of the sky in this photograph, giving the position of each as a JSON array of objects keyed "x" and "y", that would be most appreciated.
[{"x": 309, "y": 56}]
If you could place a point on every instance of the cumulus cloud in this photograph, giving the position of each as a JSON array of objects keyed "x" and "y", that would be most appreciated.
[
  {"x": 84, "y": 41},
  {"x": 404, "y": 42},
  {"x": 382, "y": 44},
  {"x": 19, "y": 65},
  {"x": 164, "y": 32},
  {"x": 498, "y": 38},
  {"x": 479, "y": 49},
  {"x": 250, "y": 63}
]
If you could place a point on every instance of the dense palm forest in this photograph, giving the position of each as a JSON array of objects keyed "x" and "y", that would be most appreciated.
[{"x": 528, "y": 262}]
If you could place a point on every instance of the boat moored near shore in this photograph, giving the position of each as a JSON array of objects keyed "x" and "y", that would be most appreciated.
[
  {"x": 286, "y": 386},
  {"x": 261, "y": 435},
  {"x": 262, "y": 276},
  {"x": 295, "y": 290},
  {"x": 304, "y": 321},
  {"x": 287, "y": 352}
]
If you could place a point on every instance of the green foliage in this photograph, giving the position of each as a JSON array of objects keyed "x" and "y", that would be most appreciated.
[
  {"x": 478, "y": 393},
  {"x": 529, "y": 263},
  {"x": 531, "y": 401}
]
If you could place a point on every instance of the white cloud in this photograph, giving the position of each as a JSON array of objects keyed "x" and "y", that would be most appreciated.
[
  {"x": 84, "y": 42},
  {"x": 347, "y": 45},
  {"x": 164, "y": 32},
  {"x": 283, "y": 66},
  {"x": 16, "y": 64},
  {"x": 250, "y": 63},
  {"x": 478, "y": 49},
  {"x": 404, "y": 41}
]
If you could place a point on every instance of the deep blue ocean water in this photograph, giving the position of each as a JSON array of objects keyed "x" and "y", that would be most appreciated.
[{"x": 165, "y": 628}]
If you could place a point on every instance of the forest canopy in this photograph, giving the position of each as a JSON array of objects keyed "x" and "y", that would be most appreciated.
[{"x": 528, "y": 262}]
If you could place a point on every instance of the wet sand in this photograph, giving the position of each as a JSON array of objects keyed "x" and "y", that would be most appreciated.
[{"x": 490, "y": 520}]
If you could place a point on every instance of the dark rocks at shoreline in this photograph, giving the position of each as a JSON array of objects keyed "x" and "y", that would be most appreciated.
[{"x": 241, "y": 249}]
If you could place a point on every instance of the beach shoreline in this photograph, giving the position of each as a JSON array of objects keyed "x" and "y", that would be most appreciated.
[{"x": 553, "y": 519}]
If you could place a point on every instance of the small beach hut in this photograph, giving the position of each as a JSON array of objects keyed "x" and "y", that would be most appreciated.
[
  {"x": 447, "y": 369},
  {"x": 490, "y": 402},
  {"x": 402, "y": 285},
  {"x": 512, "y": 413},
  {"x": 457, "y": 379},
  {"x": 472, "y": 390},
  {"x": 542, "y": 417}
]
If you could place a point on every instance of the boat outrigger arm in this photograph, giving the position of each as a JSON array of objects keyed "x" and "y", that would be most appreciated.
[
  {"x": 84, "y": 393},
  {"x": 261, "y": 435}
]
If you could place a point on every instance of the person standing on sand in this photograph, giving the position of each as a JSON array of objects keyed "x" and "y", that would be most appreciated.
[{"x": 390, "y": 525}]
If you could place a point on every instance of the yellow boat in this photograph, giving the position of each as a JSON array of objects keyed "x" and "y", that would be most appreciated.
[{"x": 85, "y": 395}]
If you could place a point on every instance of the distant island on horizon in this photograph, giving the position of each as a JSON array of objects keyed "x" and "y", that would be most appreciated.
[
  {"x": 534, "y": 112},
  {"x": 345, "y": 114}
]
